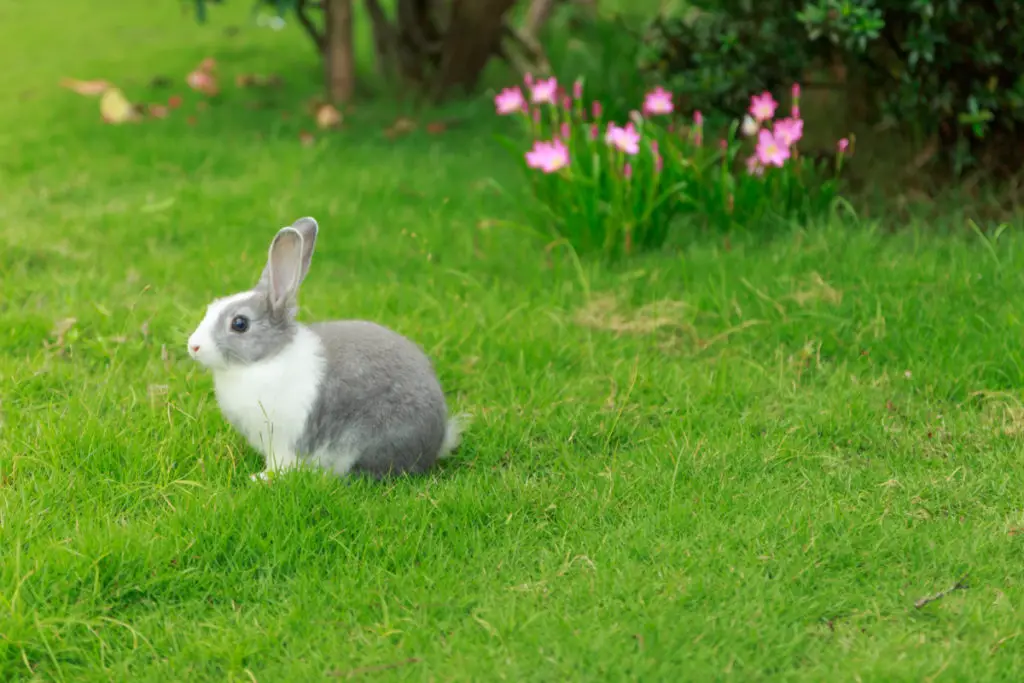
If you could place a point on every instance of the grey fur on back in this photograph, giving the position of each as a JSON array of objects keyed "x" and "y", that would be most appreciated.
[{"x": 380, "y": 398}]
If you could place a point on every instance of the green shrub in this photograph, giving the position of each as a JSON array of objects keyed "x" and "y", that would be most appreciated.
[
  {"x": 953, "y": 67},
  {"x": 950, "y": 68},
  {"x": 716, "y": 52}
]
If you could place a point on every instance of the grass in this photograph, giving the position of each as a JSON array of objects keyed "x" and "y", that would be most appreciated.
[{"x": 741, "y": 463}]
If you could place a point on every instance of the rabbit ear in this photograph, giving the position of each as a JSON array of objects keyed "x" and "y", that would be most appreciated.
[
  {"x": 306, "y": 228},
  {"x": 284, "y": 267}
]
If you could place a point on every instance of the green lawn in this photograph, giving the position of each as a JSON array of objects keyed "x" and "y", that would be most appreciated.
[{"x": 741, "y": 463}]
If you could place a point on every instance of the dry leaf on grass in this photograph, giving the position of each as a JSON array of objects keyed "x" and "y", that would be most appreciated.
[
  {"x": 204, "y": 78},
  {"x": 115, "y": 107},
  {"x": 257, "y": 80},
  {"x": 306, "y": 138},
  {"x": 158, "y": 111},
  {"x": 327, "y": 116},
  {"x": 401, "y": 126},
  {"x": 203, "y": 82},
  {"x": 87, "y": 88},
  {"x": 174, "y": 101}
]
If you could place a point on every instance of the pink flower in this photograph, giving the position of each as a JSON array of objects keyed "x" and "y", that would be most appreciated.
[
  {"x": 723, "y": 144},
  {"x": 627, "y": 171},
  {"x": 788, "y": 131},
  {"x": 770, "y": 151},
  {"x": 698, "y": 122},
  {"x": 843, "y": 145},
  {"x": 795, "y": 112},
  {"x": 658, "y": 162},
  {"x": 754, "y": 166},
  {"x": 548, "y": 156},
  {"x": 536, "y": 116},
  {"x": 528, "y": 79},
  {"x": 566, "y": 103},
  {"x": 509, "y": 101},
  {"x": 564, "y": 131},
  {"x": 577, "y": 89},
  {"x": 593, "y": 132},
  {"x": 763, "y": 106},
  {"x": 544, "y": 91},
  {"x": 595, "y": 109},
  {"x": 658, "y": 102},
  {"x": 625, "y": 138}
]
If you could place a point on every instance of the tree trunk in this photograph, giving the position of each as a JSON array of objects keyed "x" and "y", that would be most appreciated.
[
  {"x": 474, "y": 34},
  {"x": 339, "y": 59},
  {"x": 384, "y": 45}
]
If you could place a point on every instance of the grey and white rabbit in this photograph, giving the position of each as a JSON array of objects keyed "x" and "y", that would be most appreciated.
[{"x": 346, "y": 395}]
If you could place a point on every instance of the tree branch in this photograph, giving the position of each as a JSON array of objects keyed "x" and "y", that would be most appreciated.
[
  {"x": 300, "y": 11},
  {"x": 383, "y": 39}
]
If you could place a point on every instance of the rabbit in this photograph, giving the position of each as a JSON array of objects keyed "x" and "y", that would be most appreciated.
[{"x": 348, "y": 396}]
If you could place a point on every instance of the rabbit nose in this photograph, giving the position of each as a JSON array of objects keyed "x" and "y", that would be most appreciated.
[{"x": 194, "y": 347}]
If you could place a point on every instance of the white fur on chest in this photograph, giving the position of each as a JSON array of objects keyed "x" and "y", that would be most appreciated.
[{"x": 269, "y": 402}]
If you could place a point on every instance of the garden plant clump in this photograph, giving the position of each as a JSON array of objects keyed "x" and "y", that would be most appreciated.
[{"x": 617, "y": 187}]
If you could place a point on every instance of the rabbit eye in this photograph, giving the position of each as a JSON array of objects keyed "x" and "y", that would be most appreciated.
[{"x": 239, "y": 323}]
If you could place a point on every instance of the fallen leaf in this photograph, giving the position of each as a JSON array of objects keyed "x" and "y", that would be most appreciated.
[
  {"x": 203, "y": 81},
  {"x": 191, "y": 120},
  {"x": 327, "y": 116},
  {"x": 87, "y": 88},
  {"x": 306, "y": 138},
  {"x": 257, "y": 80},
  {"x": 401, "y": 126},
  {"x": 436, "y": 127},
  {"x": 174, "y": 101},
  {"x": 115, "y": 107},
  {"x": 158, "y": 111},
  {"x": 209, "y": 65}
]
